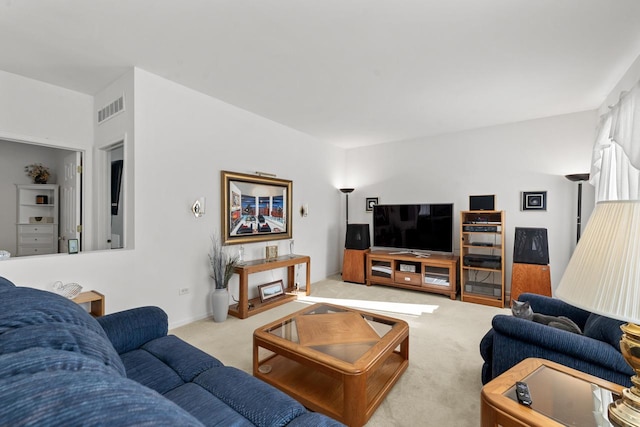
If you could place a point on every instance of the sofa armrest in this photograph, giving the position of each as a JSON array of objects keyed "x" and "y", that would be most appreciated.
[
  {"x": 555, "y": 307},
  {"x": 556, "y": 340},
  {"x": 130, "y": 329}
]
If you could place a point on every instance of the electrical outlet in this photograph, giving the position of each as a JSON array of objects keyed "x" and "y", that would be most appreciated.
[{"x": 183, "y": 291}]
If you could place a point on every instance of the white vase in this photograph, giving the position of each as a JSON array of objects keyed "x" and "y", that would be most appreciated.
[{"x": 220, "y": 304}]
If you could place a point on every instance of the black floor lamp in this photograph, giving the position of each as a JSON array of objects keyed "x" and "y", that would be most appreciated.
[
  {"x": 579, "y": 178},
  {"x": 347, "y": 191}
]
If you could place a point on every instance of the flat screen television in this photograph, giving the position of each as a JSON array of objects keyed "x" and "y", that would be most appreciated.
[{"x": 422, "y": 227}]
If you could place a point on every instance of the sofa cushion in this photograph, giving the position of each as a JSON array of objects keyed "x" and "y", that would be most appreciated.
[
  {"x": 32, "y": 317},
  {"x": 255, "y": 400},
  {"x": 201, "y": 404},
  {"x": 186, "y": 360},
  {"x": 70, "y": 338},
  {"x": 604, "y": 329},
  {"x": 129, "y": 329},
  {"x": 52, "y": 387},
  {"x": 151, "y": 372},
  {"x": 5, "y": 284}
]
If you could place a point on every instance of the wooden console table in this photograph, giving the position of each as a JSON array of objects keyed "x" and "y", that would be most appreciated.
[{"x": 243, "y": 309}]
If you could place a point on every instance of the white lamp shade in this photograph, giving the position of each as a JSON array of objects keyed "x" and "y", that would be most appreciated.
[{"x": 603, "y": 275}]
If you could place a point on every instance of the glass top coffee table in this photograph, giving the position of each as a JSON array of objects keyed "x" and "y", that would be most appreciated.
[{"x": 335, "y": 360}]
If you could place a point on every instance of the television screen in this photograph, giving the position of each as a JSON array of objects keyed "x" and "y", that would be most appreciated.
[{"x": 426, "y": 227}]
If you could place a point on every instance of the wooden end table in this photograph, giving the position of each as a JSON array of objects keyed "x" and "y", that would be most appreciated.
[
  {"x": 95, "y": 299},
  {"x": 561, "y": 397},
  {"x": 334, "y": 360}
]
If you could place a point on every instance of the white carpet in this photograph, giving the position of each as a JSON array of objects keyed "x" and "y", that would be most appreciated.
[
  {"x": 385, "y": 306},
  {"x": 441, "y": 386}
]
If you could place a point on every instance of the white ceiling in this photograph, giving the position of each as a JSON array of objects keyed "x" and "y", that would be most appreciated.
[{"x": 348, "y": 72}]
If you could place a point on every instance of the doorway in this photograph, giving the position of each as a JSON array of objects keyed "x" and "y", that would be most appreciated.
[{"x": 115, "y": 171}]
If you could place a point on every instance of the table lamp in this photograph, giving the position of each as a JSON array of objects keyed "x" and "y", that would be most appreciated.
[{"x": 603, "y": 277}]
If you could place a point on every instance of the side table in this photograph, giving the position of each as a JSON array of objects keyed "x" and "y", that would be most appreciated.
[
  {"x": 561, "y": 397},
  {"x": 95, "y": 299}
]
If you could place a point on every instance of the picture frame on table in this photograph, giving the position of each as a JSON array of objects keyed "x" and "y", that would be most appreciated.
[
  {"x": 73, "y": 246},
  {"x": 255, "y": 208},
  {"x": 271, "y": 290}
]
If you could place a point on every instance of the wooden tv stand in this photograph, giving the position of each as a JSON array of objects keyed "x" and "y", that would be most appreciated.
[{"x": 428, "y": 273}]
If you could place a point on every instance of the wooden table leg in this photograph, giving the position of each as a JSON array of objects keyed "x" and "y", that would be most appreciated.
[
  {"x": 355, "y": 400},
  {"x": 243, "y": 297},
  {"x": 308, "y": 277}
]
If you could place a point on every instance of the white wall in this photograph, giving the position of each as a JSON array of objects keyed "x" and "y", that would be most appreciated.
[
  {"x": 183, "y": 139},
  {"x": 630, "y": 78},
  {"x": 502, "y": 160},
  {"x": 43, "y": 112}
]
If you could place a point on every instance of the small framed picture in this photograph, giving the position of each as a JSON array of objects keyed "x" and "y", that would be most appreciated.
[
  {"x": 534, "y": 200},
  {"x": 73, "y": 246},
  {"x": 271, "y": 290},
  {"x": 370, "y": 203},
  {"x": 271, "y": 252}
]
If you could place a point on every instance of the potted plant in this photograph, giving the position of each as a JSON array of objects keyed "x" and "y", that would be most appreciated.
[
  {"x": 222, "y": 268},
  {"x": 38, "y": 172}
]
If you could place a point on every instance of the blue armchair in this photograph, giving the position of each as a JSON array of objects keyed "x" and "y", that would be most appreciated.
[{"x": 596, "y": 351}]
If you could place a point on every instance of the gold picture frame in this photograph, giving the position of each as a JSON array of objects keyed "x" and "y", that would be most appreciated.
[{"x": 255, "y": 208}]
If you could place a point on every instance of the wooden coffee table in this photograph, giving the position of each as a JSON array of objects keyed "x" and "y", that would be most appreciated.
[{"x": 334, "y": 360}]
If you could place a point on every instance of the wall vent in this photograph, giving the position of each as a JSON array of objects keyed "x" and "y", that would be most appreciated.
[{"x": 111, "y": 110}]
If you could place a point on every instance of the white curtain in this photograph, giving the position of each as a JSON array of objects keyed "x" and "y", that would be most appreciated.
[{"x": 615, "y": 165}]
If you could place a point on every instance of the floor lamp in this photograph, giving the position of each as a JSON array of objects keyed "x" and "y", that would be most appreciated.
[
  {"x": 346, "y": 191},
  {"x": 578, "y": 177}
]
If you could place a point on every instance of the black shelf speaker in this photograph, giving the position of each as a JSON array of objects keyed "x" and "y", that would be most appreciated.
[
  {"x": 531, "y": 246},
  {"x": 357, "y": 236}
]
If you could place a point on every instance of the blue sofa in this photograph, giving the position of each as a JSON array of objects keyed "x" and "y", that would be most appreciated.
[
  {"x": 60, "y": 366},
  {"x": 596, "y": 351}
]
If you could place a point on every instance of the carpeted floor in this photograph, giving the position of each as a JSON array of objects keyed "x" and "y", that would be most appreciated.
[{"x": 442, "y": 385}]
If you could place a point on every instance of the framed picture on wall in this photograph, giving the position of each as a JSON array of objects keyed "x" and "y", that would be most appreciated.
[
  {"x": 534, "y": 201},
  {"x": 370, "y": 202},
  {"x": 255, "y": 208}
]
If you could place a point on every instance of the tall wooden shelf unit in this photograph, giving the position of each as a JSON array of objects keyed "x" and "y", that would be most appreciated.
[
  {"x": 37, "y": 219},
  {"x": 481, "y": 271}
]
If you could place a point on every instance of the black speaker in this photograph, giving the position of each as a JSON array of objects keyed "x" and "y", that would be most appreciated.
[
  {"x": 531, "y": 246},
  {"x": 482, "y": 203},
  {"x": 357, "y": 236}
]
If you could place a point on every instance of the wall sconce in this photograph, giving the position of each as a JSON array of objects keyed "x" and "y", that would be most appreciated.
[{"x": 198, "y": 207}]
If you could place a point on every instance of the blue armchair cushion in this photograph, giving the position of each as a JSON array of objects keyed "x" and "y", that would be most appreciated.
[{"x": 604, "y": 329}]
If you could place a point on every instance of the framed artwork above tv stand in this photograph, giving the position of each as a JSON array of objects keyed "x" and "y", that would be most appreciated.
[{"x": 411, "y": 270}]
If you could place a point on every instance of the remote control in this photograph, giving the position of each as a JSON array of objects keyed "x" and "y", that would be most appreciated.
[{"x": 522, "y": 393}]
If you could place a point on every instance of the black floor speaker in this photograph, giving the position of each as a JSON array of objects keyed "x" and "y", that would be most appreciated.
[
  {"x": 531, "y": 246},
  {"x": 357, "y": 236}
]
